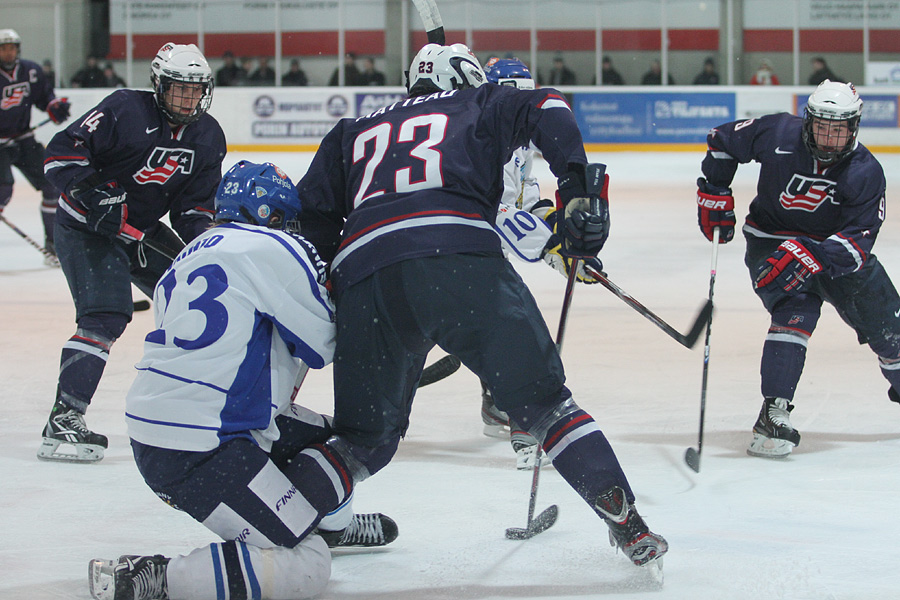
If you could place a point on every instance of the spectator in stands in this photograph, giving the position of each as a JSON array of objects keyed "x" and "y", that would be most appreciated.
[
  {"x": 351, "y": 72},
  {"x": 764, "y": 74},
  {"x": 608, "y": 74},
  {"x": 230, "y": 72},
  {"x": 90, "y": 75},
  {"x": 654, "y": 75},
  {"x": 295, "y": 75},
  {"x": 560, "y": 74},
  {"x": 47, "y": 67},
  {"x": 369, "y": 75},
  {"x": 243, "y": 76},
  {"x": 264, "y": 74},
  {"x": 112, "y": 78},
  {"x": 821, "y": 72},
  {"x": 708, "y": 75}
]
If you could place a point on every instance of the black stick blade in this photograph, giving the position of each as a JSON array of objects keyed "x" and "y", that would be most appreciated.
[
  {"x": 542, "y": 522},
  {"x": 702, "y": 321},
  {"x": 439, "y": 370},
  {"x": 140, "y": 305},
  {"x": 692, "y": 458}
]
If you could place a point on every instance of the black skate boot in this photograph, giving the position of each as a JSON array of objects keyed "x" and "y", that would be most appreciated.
[
  {"x": 628, "y": 531},
  {"x": 66, "y": 427},
  {"x": 129, "y": 578},
  {"x": 773, "y": 434},
  {"x": 370, "y": 529},
  {"x": 496, "y": 422}
]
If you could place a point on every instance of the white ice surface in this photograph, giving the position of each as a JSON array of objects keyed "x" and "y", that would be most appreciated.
[{"x": 820, "y": 525}]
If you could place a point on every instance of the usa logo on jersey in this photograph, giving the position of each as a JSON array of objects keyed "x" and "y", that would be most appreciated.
[
  {"x": 13, "y": 95},
  {"x": 164, "y": 163},
  {"x": 806, "y": 193}
]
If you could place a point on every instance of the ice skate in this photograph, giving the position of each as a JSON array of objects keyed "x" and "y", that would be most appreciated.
[
  {"x": 630, "y": 534},
  {"x": 129, "y": 578},
  {"x": 496, "y": 422},
  {"x": 50, "y": 259},
  {"x": 365, "y": 530},
  {"x": 773, "y": 434},
  {"x": 67, "y": 438},
  {"x": 525, "y": 446}
]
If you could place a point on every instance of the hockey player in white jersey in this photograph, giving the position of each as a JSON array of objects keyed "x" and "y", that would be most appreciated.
[
  {"x": 526, "y": 237},
  {"x": 239, "y": 316}
]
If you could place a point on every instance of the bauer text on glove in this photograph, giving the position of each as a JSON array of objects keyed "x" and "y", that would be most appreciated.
[{"x": 715, "y": 208}]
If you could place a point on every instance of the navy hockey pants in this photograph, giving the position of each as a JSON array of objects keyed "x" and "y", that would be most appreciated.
[{"x": 866, "y": 300}]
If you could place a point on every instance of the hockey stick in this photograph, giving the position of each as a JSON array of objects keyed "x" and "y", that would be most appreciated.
[
  {"x": 12, "y": 140},
  {"x": 688, "y": 340},
  {"x": 28, "y": 239},
  {"x": 595, "y": 175},
  {"x": 431, "y": 18},
  {"x": 691, "y": 456},
  {"x": 132, "y": 233},
  {"x": 439, "y": 370}
]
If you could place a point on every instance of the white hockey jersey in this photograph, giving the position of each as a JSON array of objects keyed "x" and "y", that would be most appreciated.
[
  {"x": 237, "y": 309},
  {"x": 521, "y": 233}
]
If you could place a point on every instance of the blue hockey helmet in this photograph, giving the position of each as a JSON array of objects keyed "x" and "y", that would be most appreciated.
[
  {"x": 257, "y": 194},
  {"x": 509, "y": 71}
]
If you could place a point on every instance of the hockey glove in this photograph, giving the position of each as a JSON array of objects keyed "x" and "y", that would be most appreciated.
[
  {"x": 790, "y": 268},
  {"x": 583, "y": 232},
  {"x": 715, "y": 208},
  {"x": 106, "y": 209},
  {"x": 58, "y": 110},
  {"x": 553, "y": 257}
]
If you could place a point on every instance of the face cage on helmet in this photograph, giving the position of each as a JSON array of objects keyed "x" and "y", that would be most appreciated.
[
  {"x": 820, "y": 154},
  {"x": 177, "y": 118}
]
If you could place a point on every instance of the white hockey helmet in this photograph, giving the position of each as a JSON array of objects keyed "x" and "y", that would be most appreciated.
[
  {"x": 9, "y": 36},
  {"x": 832, "y": 102},
  {"x": 185, "y": 64},
  {"x": 443, "y": 68}
]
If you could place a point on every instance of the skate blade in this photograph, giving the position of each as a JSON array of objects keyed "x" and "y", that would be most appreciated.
[
  {"x": 654, "y": 571},
  {"x": 102, "y": 579},
  {"x": 764, "y": 447},
  {"x": 496, "y": 431},
  {"x": 57, "y": 451}
]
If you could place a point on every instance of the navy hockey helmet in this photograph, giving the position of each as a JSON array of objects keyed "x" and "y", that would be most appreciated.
[
  {"x": 257, "y": 194},
  {"x": 9, "y": 36},
  {"x": 509, "y": 71},
  {"x": 833, "y": 112},
  {"x": 443, "y": 68},
  {"x": 183, "y": 82}
]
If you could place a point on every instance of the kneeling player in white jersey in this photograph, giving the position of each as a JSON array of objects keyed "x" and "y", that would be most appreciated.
[{"x": 211, "y": 419}]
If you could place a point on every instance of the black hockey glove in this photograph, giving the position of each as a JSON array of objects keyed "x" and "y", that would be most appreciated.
[
  {"x": 583, "y": 232},
  {"x": 553, "y": 256},
  {"x": 58, "y": 110},
  {"x": 790, "y": 268},
  {"x": 715, "y": 208},
  {"x": 105, "y": 204}
]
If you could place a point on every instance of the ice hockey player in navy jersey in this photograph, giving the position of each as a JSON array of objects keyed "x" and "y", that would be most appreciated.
[
  {"x": 24, "y": 85},
  {"x": 131, "y": 159},
  {"x": 401, "y": 203},
  {"x": 213, "y": 426},
  {"x": 819, "y": 205}
]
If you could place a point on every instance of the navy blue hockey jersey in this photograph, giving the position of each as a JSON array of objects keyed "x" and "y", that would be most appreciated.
[
  {"x": 840, "y": 207},
  {"x": 25, "y": 87},
  {"x": 162, "y": 169},
  {"x": 424, "y": 176}
]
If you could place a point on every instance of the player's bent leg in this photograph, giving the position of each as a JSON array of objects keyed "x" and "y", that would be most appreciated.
[
  {"x": 583, "y": 456},
  {"x": 66, "y": 437},
  {"x": 227, "y": 569}
]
